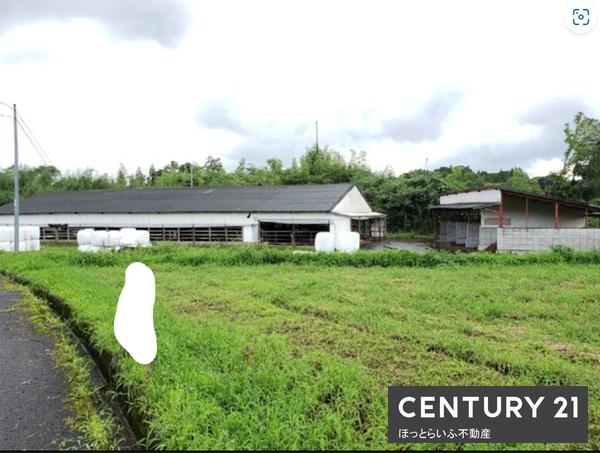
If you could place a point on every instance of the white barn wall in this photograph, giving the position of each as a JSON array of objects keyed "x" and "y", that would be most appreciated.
[
  {"x": 541, "y": 215},
  {"x": 352, "y": 203},
  {"x": 250, "y": 233}
]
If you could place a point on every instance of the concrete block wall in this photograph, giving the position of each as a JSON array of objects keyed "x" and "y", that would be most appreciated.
[
  {"x": 461, "y": 233},
  {"x": 472, "y": 240},
  {"x": 542, "y": 239},
  {"x": 487, "y": 237}
]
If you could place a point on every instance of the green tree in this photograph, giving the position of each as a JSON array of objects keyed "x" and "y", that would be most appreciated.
[
  {"x": 519, "y": 180},
  {"x": 582, "y": 158},
  {"x": 121, "y": 177},
  {"x": 152, "y": 175},
  {"x": 461, "y": 178},
  {"x": 138, "y": 179}
]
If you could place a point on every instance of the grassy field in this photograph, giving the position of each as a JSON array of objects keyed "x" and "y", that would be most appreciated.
[{"x": 298, "y": 355}]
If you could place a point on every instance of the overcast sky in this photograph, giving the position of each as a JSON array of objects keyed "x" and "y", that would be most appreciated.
[{"x": 489, "y": 84}]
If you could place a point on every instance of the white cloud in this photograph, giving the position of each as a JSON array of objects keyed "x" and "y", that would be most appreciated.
[
  {"x": 542, "y": 167},
  {"x": 94, "y": 98}
]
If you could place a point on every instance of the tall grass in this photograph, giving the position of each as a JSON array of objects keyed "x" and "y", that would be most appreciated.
[
  {"x": 263, "y": 348},
  {"x": 260, "y": 255}
]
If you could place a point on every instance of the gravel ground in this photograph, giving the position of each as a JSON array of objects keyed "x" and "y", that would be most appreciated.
[{"x": 394, "y": 244}]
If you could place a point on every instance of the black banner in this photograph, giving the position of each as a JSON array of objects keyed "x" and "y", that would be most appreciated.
[{"x": 487, "y": 414}]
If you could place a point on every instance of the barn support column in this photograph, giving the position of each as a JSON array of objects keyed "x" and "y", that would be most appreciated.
[
  {"x": 587, "y": 215},
  {"x": 501, "y": 212},
  {"x": 556, "y": 217}
]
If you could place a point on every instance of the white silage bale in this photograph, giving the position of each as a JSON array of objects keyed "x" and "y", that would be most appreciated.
[
  {"x": 24, "y": 233},
  {"x": 324, "y": 242},
  {"x": 113, "y": 239},
  {"x": 99, "y": 239},
  {"x": 6, "y": 246},
  {"x": 89, "y": 248},
  {"x": 23, "y": 246},
  {"x": 7, "y": 234},
  {"x": 84, "y": 237},
  {"x": 128, "y": 237},
  {"x": 143, "y": 238},
  {"x": 32, "y": 232},
  {"x": 347, "y": 241},
  {"x": 337, "y": 240},
  {"x": 34, "y": 245},
  {"x": 35, "y": 232}
]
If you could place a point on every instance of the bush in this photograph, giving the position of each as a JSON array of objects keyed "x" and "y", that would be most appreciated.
[{"x": 259, "y": 255}]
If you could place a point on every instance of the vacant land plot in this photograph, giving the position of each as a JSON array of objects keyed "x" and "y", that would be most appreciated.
[{"x": 295, "y": 356}]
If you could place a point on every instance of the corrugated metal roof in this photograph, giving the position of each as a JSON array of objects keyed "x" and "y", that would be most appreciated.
[
  {"x": 533, "y": 196},
  {"x": 299, "y": 198},
  {"x": 463, "y": 206}
]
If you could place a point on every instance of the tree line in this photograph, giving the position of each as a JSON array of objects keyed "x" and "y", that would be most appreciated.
[{"x": 404, "y": 198}]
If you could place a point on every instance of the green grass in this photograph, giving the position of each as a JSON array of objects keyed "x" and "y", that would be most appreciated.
[
  {"x": 410, "y": 236},
  {"x": 299, "y": 354},
  {"x": 242, "y": 254}
]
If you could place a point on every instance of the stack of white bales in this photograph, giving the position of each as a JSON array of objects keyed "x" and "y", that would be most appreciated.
[
  {"x": 324, "y": 242},
  {"x": 29, "y": 238},
  {"x": 90, "y": 240},
  {"x": 344, "y": 241}
]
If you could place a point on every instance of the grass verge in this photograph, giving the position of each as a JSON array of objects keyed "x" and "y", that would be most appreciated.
[{"x": 92, "y": 419}]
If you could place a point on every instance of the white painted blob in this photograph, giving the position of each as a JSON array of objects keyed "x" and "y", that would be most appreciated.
[{"x": 134, "y": 320}]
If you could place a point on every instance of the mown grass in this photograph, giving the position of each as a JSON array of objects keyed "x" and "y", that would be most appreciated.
[{"x": 299, "y": 354}]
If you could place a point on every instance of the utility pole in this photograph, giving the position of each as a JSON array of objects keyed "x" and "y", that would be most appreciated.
[
  {"x": 317, "y": 134},
  {"x": 16, "y": 170}
]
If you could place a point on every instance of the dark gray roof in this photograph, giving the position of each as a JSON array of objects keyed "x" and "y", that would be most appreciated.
[{"x": 301, "y": 198}]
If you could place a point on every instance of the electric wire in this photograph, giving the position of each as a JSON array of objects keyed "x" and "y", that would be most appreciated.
[
  {"x": 39, "y": 148},
  {"x": 35, "y": 143},
  {"x": 44, "y": 160}
]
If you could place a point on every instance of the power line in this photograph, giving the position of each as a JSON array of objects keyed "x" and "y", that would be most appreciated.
[
  {"x": 32, "y": 138},
  {"x": 45, "y": 161},
  {"x": 35, "y": 143}
]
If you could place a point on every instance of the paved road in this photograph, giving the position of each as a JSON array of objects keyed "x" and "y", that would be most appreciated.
[{"x": 32, "y": 411}]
